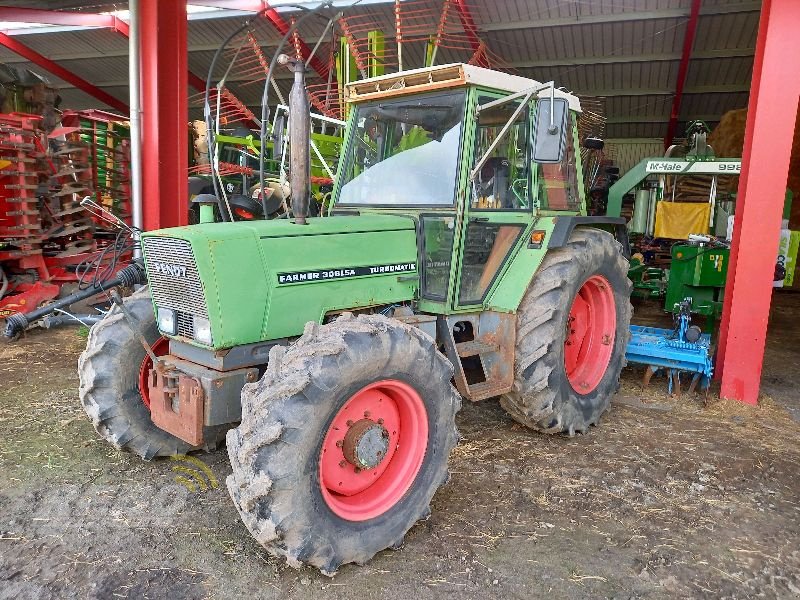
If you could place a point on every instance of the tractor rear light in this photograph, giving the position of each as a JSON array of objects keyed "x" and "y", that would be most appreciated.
[
  {"x": 202, "y": 330},
  {"x": 167, "y": 323}
]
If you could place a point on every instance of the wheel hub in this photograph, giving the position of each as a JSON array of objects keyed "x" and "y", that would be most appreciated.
[
  {"x": 374, "y": 447},
  {"x": 365, "y": 444}
]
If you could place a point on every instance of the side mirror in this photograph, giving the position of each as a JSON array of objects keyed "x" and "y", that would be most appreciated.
[
  {"x": 278, "y": 130},
  {"x": 593, "y": 143},
  {"x": 549, "y": 135}
]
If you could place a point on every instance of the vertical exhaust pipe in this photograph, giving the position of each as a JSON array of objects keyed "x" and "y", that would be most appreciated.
[{"x": 299, "y": 139}]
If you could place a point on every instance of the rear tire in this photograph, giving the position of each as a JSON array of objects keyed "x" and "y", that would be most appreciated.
[
  {"x": 109, "y": 384},
  {"x": 291, "y": 424},
  {"x": 544, "y": 396}
]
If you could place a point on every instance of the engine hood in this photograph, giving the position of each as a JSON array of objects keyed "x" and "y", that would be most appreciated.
[{"x": 264, "y": 280}]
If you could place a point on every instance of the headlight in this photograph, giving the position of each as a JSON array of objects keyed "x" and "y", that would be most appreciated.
[
  {"x": 202, "y": 330},
  {"x": 166, "y": 321}
]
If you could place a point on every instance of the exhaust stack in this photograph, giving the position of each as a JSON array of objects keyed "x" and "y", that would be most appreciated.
[{"x": 299, "y": 139}]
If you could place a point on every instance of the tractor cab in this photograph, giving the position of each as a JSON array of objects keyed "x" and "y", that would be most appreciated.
[{"x": 474, "y": 157}]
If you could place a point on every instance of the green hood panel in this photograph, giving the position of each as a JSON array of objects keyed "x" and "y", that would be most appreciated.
[
  {"x": 265, "y": 280},
  {"x": 286, "y": 228}
]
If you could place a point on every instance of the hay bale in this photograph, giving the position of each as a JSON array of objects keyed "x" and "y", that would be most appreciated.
[
  {"x": 727, "y": 139},
  {"x": 794, "y": 176}
]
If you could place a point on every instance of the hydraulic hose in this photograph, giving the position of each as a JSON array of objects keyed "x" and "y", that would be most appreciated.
[{"x": 133, "y": 274}]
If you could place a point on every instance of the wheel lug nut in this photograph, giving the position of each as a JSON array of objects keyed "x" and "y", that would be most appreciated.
[
  {"x": 380, "y": 421},
  {"x": 366, "y": 414},
  {"x": 357, "y": 470},
  {"x": 343, "y": 464},
  {"x": 340, "y": 443},
  {"x": 349, "y": 423}
]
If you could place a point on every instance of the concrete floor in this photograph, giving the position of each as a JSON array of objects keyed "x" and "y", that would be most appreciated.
[{"x": 667, "y": 498}]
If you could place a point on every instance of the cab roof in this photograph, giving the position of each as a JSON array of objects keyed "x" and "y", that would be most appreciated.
[{"x": 446, "y": 76}]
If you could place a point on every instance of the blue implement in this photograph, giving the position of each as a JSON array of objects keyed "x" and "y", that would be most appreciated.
[{"x": 668, "y": 349}]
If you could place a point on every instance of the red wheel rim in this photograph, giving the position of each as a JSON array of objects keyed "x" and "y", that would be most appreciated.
[
  {"x": 160, "y": 348},
  {"x": 591, "y": 329},
  {"x": 385, "y": 422}
]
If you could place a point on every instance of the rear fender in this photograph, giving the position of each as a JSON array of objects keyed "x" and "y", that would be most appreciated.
[{"x": 565, "y": 224}]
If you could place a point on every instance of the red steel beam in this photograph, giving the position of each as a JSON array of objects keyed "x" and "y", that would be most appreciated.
[
  {"x": 683, "y": 69},
  {"x": 165, "y": 133},
  {"x": 771, "y": 114},
  {"x": 468, "y": 23},
  {"x": 63, "y": 73}
]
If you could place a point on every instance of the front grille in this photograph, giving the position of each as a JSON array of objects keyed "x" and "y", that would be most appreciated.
[
  {"x": 182, "y": 291},
  {"x": 185, "y": 324}
]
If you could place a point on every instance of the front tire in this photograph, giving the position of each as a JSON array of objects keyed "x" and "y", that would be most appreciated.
[
  {"x": 573, "y": 326},
  {"x": 344, "y": 441},
  {"x": 111, "y": 383}
]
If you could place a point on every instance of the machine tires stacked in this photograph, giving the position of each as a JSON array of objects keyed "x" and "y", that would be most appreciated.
[
  {"x": 344, "y": 441},
  {"x": 572, "y": 331}
]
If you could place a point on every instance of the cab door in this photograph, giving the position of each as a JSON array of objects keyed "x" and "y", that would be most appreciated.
[{"x": 498, "y": 208}]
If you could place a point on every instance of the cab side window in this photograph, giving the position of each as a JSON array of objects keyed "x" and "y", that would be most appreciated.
[
  {"x": 502, "y": 181},
  {"x": 558, "y": 182}
]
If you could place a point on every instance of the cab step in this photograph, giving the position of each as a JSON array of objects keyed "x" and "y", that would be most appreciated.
[
  {"x": 474, "y": 348},
  {"x": 487, "y": 389}
]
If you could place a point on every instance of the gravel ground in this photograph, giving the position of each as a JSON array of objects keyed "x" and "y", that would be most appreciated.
[{"x": 667, "y": 498}]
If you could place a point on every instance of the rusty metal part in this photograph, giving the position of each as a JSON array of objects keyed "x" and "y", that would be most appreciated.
[
  {"x": 299, "y": 136},
  {"x": 365, "y": 444},
  {"x": 648, "y": 375},
  {"x": 176, "y": 403},
  {"x": 676, "y": 382},
  {"x": 493, "y": 344},
  {"x": 693, "y": 385}
]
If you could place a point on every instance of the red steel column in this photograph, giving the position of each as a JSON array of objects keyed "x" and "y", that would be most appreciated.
[
  {"x": 683, "y": 69},
  {"x": 165, "y": 130},
  {"x": 774, "y": 97}
]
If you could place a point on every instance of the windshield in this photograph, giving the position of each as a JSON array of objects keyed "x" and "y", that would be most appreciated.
[{"x": 405, "y": 152}]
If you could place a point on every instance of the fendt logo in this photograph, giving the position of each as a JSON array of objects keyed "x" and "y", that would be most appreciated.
[{"x": 163, "y": 268}]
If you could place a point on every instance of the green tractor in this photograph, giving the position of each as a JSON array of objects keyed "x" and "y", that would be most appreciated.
[{"x": 333, "y": 353}]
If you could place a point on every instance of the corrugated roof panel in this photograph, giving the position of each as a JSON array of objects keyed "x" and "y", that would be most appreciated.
[
  {"x": 608, "y": 79},
  {"x": 699, "y": 105},
  {"x": 645, "y": 130},
  {"x": 112, "y": 68},
  {"x": 73, "y": 98},
  {"x": 720, "y": 71},
  {"x": 506, "y": 11},
  {"x": 656, "y": 36},
  {"x": 637, "y": 106},
  {"x": 734, "y": 30}
]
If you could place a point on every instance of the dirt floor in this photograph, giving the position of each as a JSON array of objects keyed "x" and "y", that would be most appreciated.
[{"x": 666, "y": 499}]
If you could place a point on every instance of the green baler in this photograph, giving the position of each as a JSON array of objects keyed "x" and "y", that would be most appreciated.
[{"x": 698, "y": 272}]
